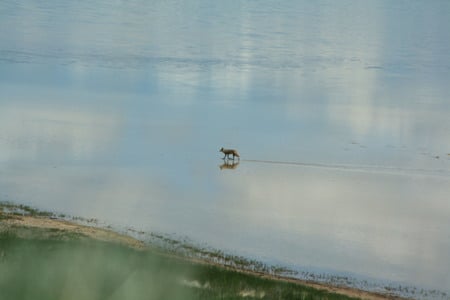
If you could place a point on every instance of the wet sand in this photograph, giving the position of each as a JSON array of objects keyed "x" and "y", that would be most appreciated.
[{"x": 46, "y": 227}]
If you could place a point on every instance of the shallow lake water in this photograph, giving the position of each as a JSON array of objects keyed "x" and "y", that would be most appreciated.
[{"x": 117, "y": 110}]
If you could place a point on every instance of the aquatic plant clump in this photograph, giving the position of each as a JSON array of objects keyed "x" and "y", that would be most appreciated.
[{"x": 8, "y": 208}]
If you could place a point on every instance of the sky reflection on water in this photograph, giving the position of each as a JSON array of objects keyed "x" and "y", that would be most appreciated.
[{"x": 118, "y": 113}]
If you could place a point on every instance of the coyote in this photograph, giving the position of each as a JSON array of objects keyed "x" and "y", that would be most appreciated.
[{"x": 229, "y": 152}]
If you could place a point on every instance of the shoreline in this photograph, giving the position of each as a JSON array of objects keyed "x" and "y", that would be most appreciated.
[{"x": 51, "y": 227}]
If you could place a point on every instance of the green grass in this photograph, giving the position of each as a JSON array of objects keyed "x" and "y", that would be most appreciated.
[{"x": 61, "y": 268}]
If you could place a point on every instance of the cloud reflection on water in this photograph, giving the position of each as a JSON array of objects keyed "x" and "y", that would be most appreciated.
[
  {"x": 32, "y": 132},
  {"x": 385, "y": 226}
]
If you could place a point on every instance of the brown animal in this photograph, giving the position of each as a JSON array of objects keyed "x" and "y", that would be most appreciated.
[{"x": 229, "y": 152}]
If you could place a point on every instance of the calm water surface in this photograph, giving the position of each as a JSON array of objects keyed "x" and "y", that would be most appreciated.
[{"x": 116, "y": 110}]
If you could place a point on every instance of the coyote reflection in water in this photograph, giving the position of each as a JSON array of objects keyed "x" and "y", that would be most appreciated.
[{"x": 231, "y": 165}]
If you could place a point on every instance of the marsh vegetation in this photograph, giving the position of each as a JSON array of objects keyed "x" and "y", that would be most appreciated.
[{"x": 67, "y": 267}]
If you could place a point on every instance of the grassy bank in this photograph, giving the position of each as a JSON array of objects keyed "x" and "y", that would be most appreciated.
[{"x": 62, "y": 266}]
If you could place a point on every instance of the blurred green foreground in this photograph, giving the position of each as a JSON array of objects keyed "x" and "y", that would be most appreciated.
[{"x": 79, "y": 268}]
